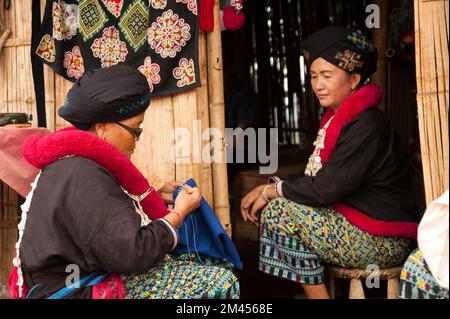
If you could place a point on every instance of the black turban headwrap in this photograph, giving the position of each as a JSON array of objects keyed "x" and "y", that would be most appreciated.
[
  {"x": 348, "y": 49},
  {"x": 106, "y": 95}
]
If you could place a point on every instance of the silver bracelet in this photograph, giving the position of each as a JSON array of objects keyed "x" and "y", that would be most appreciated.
[
  {"x": 275, "y": 179},
  {"x": 264, "y": 193},
  {"x": 276, "y": 188}
]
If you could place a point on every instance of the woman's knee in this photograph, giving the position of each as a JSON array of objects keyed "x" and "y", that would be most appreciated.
[
  {"x": 276, "y": 212},
  {"x": 230, "y": 284}
]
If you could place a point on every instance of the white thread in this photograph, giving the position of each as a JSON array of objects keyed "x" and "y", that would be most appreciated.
[
  {"x": 195, "y": 244},
  {"x": 187, "y": 239}
]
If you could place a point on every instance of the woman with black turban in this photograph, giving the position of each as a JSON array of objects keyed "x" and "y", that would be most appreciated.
[
  {"x": 353, "y": 205},
  {"x": 92, "y": 226}
]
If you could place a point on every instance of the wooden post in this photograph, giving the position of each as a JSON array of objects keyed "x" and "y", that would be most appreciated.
[
  {"x": 206, "y": 179},
  {"x": 432, "y": 69},
  {"x": 380, "y": 41},
  {"x": 217, "y": 121}
]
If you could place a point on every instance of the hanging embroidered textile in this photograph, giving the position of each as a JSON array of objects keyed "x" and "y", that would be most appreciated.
[{"x": 158, "y": 37}]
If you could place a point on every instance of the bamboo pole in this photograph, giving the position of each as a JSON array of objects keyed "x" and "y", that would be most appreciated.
[
  {"x": 380, "y": 41},
  {"x": 441, "y": 49},
  {"x": 3, "y": 87},
  {"x": 203, "y": 115},
  {"x": 428, "y": 107},
  {"x": 431, "y": 29},
  {"x": 3, "y": 36},
  {"x": 4, "y": 32},
  {"x": 429, "y": 90},
  {"x": 420, "y": 102},
  {"x": 217, "y": 120}
]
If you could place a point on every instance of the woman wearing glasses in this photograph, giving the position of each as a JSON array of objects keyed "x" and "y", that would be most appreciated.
[{"x": 92, "y": 226}]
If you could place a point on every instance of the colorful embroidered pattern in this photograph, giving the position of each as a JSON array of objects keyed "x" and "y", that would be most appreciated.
[
  {"x": 151, "y": 72},
  {"x": 417, "y": 282},
  {"x": 158, "y": 37},
  {"x": 360, "y": 40},
  {"x": 65, "y": 22},
  {"x": 349, "y": 60},
  {"x": 133, "y": 24},
  {"x": 185, "y": 72},
  {"x": 109, "y": 48},
  {"x": 191, "y": 4},
  {"x": 91, "y": 18},
  {"x": 296, "y": 239},
  {"x": 184, "y": 277},
  {"x": 130, "y": 108},
  {"x": 158, "y": 4},
  {"x": 168, "y": 34},
  {"x": 114, "y": 6},
  {"x": 46, "y": 48},
  {"x": 73, "y": 62}
]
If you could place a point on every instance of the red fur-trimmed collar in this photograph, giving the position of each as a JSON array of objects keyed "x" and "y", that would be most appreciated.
[
  {"x": 41, "y": 151},
  {"x": 367, "y": 97}
]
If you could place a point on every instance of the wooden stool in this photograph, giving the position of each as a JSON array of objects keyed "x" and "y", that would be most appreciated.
[{"x": 356, "y": 276}]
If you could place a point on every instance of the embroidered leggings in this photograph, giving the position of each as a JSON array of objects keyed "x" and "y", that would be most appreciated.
[
  {"x": 417, "y": 282},
  {"x": 296, "y": 240}
]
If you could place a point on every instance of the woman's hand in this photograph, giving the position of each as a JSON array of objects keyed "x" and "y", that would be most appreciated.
[
  {"x": 167, "y": 191},
  {"x": 187, "y": 200},
  {"x": 252, "y": 203}
]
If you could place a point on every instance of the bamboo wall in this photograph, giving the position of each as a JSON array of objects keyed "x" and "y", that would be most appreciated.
[
  {"x": 152, "y": 155},
  {"x": 431, "y": 36}
]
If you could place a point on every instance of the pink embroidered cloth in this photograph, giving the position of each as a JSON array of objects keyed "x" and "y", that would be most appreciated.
[{"x": 14, "y": 170}]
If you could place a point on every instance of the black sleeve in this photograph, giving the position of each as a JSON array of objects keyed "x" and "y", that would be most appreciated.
[
  {"x": 124, "y": 247},
  {"x": 107, "y": 226},
  {"x": 344, "y": 172}
]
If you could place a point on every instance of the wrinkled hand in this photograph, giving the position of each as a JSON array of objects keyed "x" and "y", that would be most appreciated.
[
  {"x": 252, "y": 203},
  {"x": 167, "y": 191}
]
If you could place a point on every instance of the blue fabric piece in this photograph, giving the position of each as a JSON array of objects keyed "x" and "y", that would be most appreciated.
[{"x": 201, "y": 232}]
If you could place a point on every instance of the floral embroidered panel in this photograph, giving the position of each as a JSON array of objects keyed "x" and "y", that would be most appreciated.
[{"x": 158, "y": 37}]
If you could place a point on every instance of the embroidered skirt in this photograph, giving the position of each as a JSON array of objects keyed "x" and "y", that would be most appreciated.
[
  {"x": 417, "y": 282},
  {"x": 296, "y": 240},
  {"x": 184, "y": 277}
]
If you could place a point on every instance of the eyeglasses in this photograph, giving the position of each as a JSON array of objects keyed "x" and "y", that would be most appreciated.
[{"x": 135, "y": 131}]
